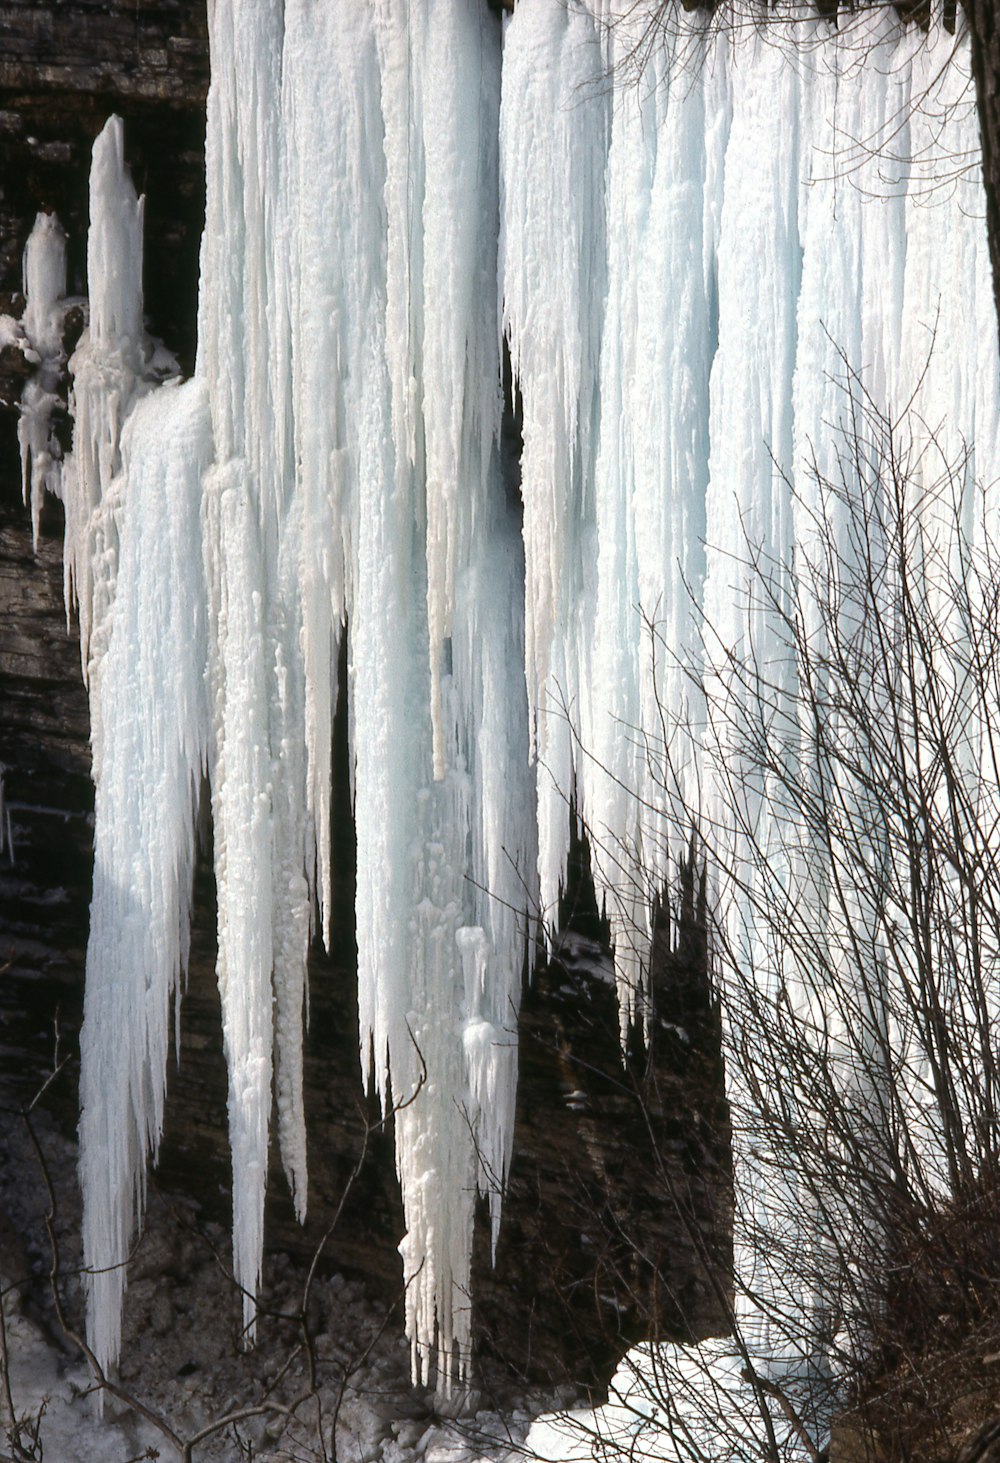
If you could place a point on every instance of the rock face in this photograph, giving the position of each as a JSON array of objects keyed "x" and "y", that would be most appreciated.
[
  {"x": 620, "y": 1182},
  {"x": 44, "y": 731},
  {"x": 65, "y": 66},
  {"x": 616, "y": 1223}
]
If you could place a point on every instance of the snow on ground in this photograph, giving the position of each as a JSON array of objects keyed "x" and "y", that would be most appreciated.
[
  {"x": 181, "y": 1354},
  {"x": 182, "y": 1359}
]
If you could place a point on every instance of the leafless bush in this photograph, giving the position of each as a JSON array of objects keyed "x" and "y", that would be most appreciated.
[
  {"x": 303, "y": 1389},
  {"x": 848, "y": 817}
]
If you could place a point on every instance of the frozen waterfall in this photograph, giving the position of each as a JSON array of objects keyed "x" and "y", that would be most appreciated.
[
  {"x": 686, "y": 262},
  {"x": 783, "y": 241},
  {"x": 334, "y": 460}
]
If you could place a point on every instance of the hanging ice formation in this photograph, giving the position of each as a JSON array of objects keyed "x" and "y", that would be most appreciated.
[
  {"x": 44, "y": 290},
  {"x": 334, "y": 459},
  {"x": 772, "y": 221},
  {"x": 678, "y": 260}
]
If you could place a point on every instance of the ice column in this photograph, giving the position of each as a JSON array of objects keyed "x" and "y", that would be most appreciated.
[
  {"x": 349, "y": 367},
  {"x": 681, "y": 264},
  {"x": 339, "y": 452},
  {"x": 252, "y": 536},
  {"x": 442, "y": 790},
  {"x": 107, "y": 368},
  {"x": 44, "y": 291},
  {"x": 133, "y": 562},
  {"x": 770, "y": 232},
  {"x": 153, "y": 703},
  {"x": 554, "y": 125},
  {"x": 669, "y": 131}
]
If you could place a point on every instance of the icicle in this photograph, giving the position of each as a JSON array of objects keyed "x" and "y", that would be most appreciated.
[
  {"x": 257, "y": 762},
  {"x": 333, "y": 189},
  {"x": 106, "y": 368},
  {"x": 353, "y": 495},
  {"x": 746, "y": 170},
  {"x": 44, "y": 290},
  {"x": 488, "y": 657},
  {"x": 351, "y": 475},
  {"x": 461, "y": 377},
  {"x": 152, "y": 690},
  {"x": 553, "y": 140},
  {"x": 430, "y": 536}
]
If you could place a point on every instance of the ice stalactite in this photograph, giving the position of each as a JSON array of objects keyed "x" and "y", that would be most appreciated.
[
  {"x": 773, "y": 247},
  {"x": 44, "y": 309},
  {"x": 424, "y": 567},
  {"x": 687, "y": 270},
  {"x": 107, "y": 370},
  {"x": 134, "y": 564},
  {"x": 748, "y": 512},
  {"x": 611, "y": 326},
  {"x": 257, "y": 756},
  {"x": 651, "y": 470},
  {"x": 152, "y": 690},
  {"x": 552, "y": 275},
  {"x": 348, "y": 384}
]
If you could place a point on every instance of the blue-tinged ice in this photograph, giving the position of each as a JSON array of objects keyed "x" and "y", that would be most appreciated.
[
  {"x": 554, "y": 125},
  {"x": 774, "y": 250},
  {"x": 349, "y": 379}
]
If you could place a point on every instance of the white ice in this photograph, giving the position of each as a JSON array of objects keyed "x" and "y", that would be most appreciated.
[
  {"x": 42, "y": 324},
  {"x": 773, "y": 223},
  {"x": 152, "y": 690},
  {"x": 106, "y": 370},
  {"x": 349, "y": 471},
  {"x": 679, "y": 259}
]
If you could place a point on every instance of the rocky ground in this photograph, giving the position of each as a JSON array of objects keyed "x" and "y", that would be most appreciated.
[{"x": 328, "y": 1379}]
